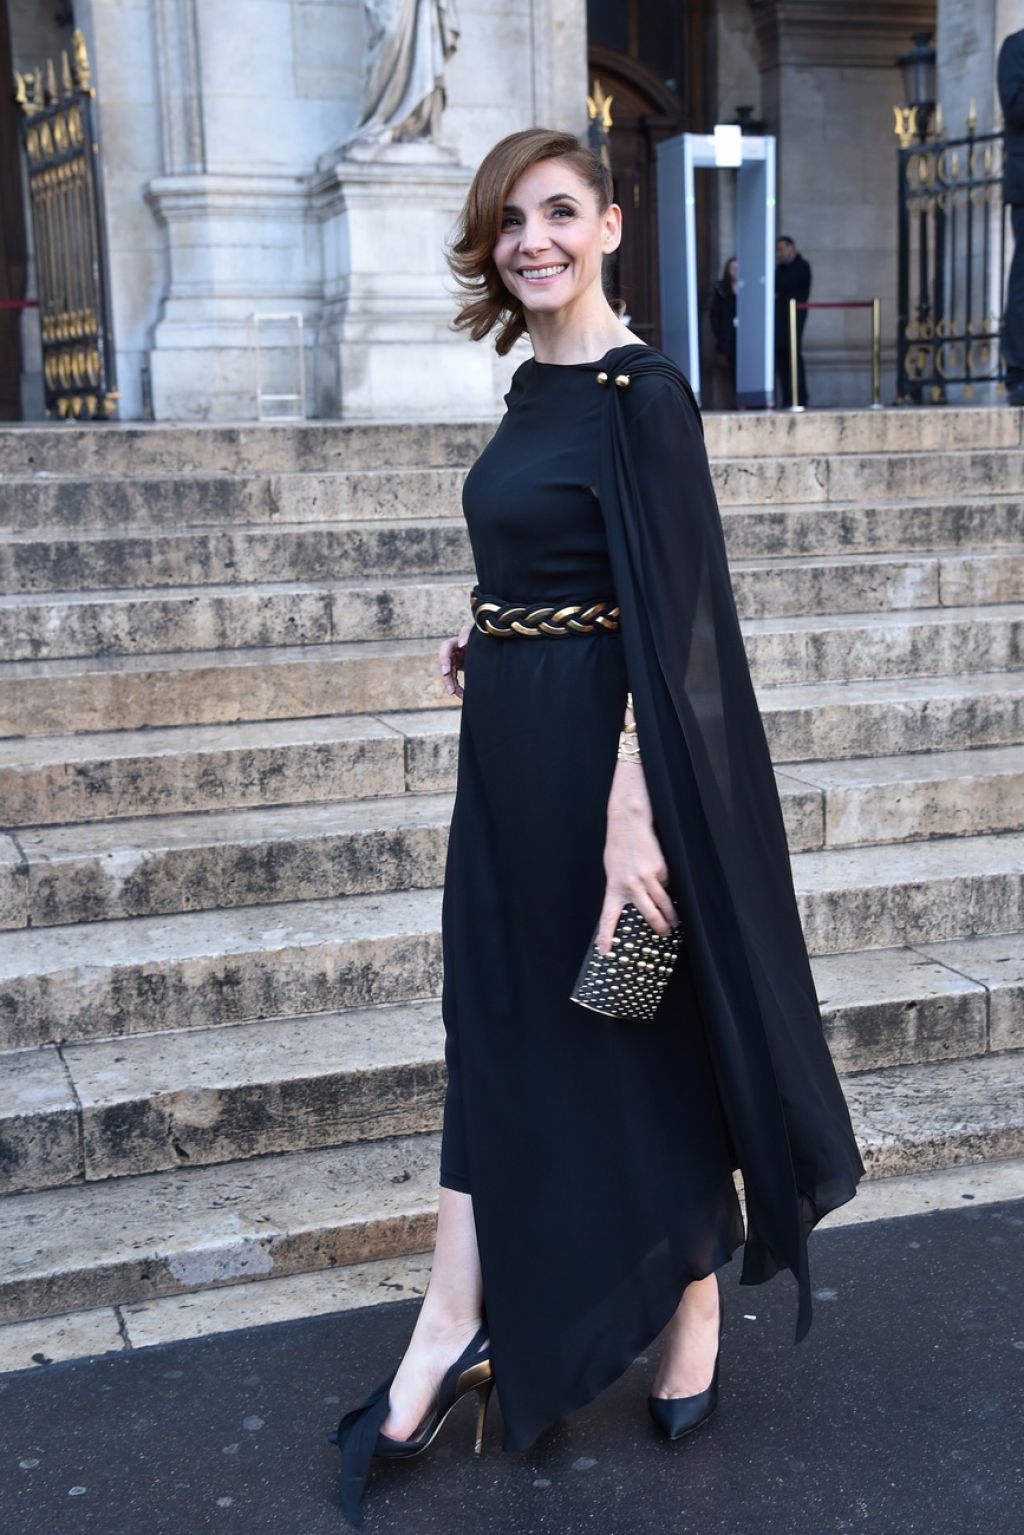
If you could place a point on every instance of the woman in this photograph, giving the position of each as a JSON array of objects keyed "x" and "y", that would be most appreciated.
[
  {"x": 722, "y": 315},
  {"x": 587, "y": 1193}
]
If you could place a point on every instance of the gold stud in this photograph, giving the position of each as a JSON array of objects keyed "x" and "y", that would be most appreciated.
[
  {"x": 622, "y": 379},
  {"x": 602, "y": 378}
]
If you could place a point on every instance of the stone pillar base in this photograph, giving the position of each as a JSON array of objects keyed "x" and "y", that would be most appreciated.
[
  {"x": 237, "y": 245},
  {"x": 385, "y": 349}
]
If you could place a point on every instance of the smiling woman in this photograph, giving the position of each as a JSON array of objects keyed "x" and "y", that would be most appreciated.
[{"x": 611, "y": 755}]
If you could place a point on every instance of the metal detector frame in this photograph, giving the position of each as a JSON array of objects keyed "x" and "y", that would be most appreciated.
[{"x": 677, "y": 160}]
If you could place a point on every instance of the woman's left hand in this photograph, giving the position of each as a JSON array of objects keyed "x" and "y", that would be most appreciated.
[{"x": 633, "y": 861}]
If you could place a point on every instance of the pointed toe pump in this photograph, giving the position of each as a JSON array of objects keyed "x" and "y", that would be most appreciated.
[
  {"x": 360, "y": 1440},
  {"x": 679, "y": 1415}
]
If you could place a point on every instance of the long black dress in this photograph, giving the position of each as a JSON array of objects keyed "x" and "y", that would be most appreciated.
[{"x": 600, "y": 1153}]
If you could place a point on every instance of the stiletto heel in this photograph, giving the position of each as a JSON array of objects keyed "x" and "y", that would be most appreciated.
[
  {"x": 359, "y": 1436},
  {"x": 483, "y": 1400},
  {"x": 679, "y": 1415}
]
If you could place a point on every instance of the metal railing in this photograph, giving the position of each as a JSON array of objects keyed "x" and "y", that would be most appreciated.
[
  {"x": 951, "y": 267},
  {"x": 61, "y": 145},
  {"x": 875, "y": 305}
]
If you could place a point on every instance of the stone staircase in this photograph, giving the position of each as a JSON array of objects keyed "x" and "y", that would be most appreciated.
[{"x": 226, "y": 769}]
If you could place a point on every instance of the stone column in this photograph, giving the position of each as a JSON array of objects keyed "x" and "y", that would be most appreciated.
[
  {"x": 970, "y": 33},
  {"x": 829, "y": 89}
]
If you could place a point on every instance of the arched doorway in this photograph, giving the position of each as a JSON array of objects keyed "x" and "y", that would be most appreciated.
[{"x": 646, "y": 55}]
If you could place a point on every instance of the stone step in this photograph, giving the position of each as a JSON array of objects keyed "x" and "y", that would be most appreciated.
[
  {"x": 134, "y": 449},
  {"x": 193, "y": 1229},
  {"x": 204, "y": 968},
  {"x": 53, "y": 558},
  {"x": 225, "y": 858},
  {"x": 915, "y": 642},
  {"x": 63, "y": 560},
  {"x": 79, "y": 501},
  {"x": 185, "y": 1230},
  {"x": 200, "y": 1096},
  {"x": 147, "y": 621},
  {"x": 211, "y": 687},
  {"x": 219, "y": 859},
  {"x": 813, "y": 721},
  {"x": 106, "y": 775},
  {"x": 48, "y": 780},
  {"x": 169, "y": 500},
  {"x": 143, "y": 1103},
  {"x": 47, "y": 697},
  {"x": 201, "y": 969},
  {"x": 137, "y": 449},
  {"x": 909, "y": 893},
  {"x": 903, "y": 798}
]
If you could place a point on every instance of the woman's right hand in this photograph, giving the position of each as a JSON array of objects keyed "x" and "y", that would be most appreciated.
[{"x": 452, "y": 659}]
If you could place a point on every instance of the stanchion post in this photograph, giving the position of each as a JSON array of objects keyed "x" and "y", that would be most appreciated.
[
  {"x": 876, "y": 354},
  {"x": 794, "y": 371}
]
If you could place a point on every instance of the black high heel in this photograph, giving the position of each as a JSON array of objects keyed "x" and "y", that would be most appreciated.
[
  {"x": 358, "y": 1434},
  {"x": 679, "y": 1415}
]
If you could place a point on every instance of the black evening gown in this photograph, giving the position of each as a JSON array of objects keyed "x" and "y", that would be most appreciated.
[{"x": 599, "y": 1152}]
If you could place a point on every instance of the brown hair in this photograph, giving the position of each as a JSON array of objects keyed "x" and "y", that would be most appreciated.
[{"x": 486, "y": 301}]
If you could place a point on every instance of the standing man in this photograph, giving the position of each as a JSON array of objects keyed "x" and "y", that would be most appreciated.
[
  {"x": 792, "y": 280},
  {"x": 1011, "y": 97}
]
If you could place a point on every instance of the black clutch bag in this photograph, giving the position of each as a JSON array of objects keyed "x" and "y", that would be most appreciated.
[{"x": 628, "y": 982}]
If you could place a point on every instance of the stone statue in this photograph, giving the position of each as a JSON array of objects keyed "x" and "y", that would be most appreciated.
[{"x": 408, "y": 44}]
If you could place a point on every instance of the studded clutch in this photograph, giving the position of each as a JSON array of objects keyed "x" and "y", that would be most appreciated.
[{"x": 628, "y": 982}]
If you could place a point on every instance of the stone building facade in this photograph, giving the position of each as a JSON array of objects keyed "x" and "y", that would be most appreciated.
[{"x": 231, "y": 188}]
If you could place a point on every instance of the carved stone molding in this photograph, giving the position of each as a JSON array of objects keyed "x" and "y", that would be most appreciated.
[
  {"x": 181, "y": 90},
  {"x": 868, "y": 35}
]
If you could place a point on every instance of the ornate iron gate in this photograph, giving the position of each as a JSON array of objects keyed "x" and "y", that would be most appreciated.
[
  {"x": 951, "y": 266},
  {"x": 60, "y": 143}
]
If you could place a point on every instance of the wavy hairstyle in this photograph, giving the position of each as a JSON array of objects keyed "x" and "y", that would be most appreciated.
[{"x": 485, "y": 301}]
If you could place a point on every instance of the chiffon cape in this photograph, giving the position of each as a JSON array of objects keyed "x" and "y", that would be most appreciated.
[{"x": 717, "y": 815}]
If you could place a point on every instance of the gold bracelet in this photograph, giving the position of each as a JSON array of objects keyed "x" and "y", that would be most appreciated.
[{"x": 629, "y": 745}]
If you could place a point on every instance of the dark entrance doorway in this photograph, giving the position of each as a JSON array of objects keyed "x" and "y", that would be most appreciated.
[
  {"x": 648, "y": 56},
  {"x": 13, "y": 248}
]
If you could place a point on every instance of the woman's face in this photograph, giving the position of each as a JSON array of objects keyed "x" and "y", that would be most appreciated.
[{"x": 553, "y": 237}]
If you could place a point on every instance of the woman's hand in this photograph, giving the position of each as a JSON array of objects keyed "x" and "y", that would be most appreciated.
[
  {"x": 633, "y": 862},
  {"x": 452, "y": 659}
]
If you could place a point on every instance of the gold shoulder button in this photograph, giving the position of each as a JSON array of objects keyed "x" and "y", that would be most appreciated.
[
  {"x": 622, "y": 379},
  {"x": 602, "y": 378}
]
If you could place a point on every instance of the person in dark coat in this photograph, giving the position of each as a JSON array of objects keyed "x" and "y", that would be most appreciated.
[
  {"x": 722, "y": 315},
  {"x": 1010, "y": 75},
  {"x": 792, "y": 280}
]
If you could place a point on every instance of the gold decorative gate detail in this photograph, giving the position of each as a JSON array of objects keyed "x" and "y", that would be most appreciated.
[{"x": 59, "y": 138}]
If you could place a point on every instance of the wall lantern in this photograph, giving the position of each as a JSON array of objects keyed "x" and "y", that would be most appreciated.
[{"x": 918, "y": 68}]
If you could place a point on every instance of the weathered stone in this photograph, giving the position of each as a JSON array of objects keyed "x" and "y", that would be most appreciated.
[
  {"x": 895, "y": 1007},
  {"x": 841, "y": 647},
  {"x": 913, "y": 893},
  {"x": 897, "y": 799},
  {"x": 13, "y": 884},
  {"x": 54, "y": 1339},
  {"x": 892, "y": 714},
  {"x": 64, "y": 561},
  {"x": 205, "y": 968},
  {"x": 996, "y": 963},
  {"x": 39, "y": 1145},
  {"x": 311, "y": 446},
  {"x": 431, "y": 748},
  {"x": 46, "y": 780},
  {"x": 197, "y": 1096},
  {"x": 320, "y": 1293},
  {"x": 943, "y": 1114},
  {"x": 217, "y": 687},
  {"x": 128, "y": 1240},
  {"x": 230, "y": 858}
]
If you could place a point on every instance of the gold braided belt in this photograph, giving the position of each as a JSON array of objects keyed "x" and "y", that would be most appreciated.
[{"x": 504, "y": 620}]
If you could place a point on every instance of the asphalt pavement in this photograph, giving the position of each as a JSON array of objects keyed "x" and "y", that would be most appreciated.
[{"x": 902, "y": 1413}]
